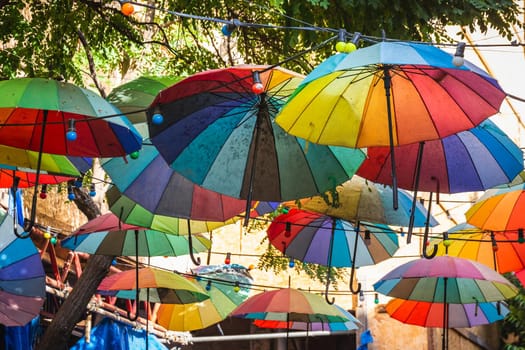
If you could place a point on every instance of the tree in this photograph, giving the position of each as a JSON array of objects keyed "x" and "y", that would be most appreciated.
[{"x": 91, "y": 42}]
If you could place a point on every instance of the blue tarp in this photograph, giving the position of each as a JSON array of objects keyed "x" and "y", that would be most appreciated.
[
  {"x": 113, "y": 335},
  {"x": 366, "y": 338},
  {"x": 22, "y": 337}
]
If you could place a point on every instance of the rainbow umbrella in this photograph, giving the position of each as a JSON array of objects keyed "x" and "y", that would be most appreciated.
[
  {"x": 426, "y": 314},
  {"x": 499, "y": 212},
  {"x": 48, "y": 116},
  {"x": 501, "y": 251},
  {"x": 158, "y": 286},
  {"x": 105, "y": 235},
  {"x": 320, "y": 239},
  {"x": 389, "y": 94},
  {"x": 352, "y": 324},
  {"x": 446, "y": 280},
  {"x": 22, "y": 276},
  {"x": 16, "y": 177},
  {"x": 227, "y": 285},
  {"x": 226, "y": 139}
]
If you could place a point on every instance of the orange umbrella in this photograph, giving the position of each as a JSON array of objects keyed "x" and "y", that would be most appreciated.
[
  {"x": 501, "y": 251},
  {"x": 500, "y": 212}
]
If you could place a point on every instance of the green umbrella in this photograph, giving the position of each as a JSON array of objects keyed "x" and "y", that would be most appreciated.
[
  {"x": 227, "y": 285},
  {"x": 133, "y": 97},
  {"x": 105, "y": 235}
]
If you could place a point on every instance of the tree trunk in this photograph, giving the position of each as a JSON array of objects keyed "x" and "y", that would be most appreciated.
[{"x": 74, "y": 307}]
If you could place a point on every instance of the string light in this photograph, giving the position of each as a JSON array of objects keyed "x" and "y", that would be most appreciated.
[
  {"x": 227, "y": 260},
  {"x": 458, "y": 59},
  {"x": 71, "y": 134},
  {"x": 257, "y": 87},
  {"x": 43, "y": 191},
  {"x": 376, "y": 298}
]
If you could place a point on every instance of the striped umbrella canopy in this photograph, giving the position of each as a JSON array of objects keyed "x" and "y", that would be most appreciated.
[{"x": 106, "y": 235}]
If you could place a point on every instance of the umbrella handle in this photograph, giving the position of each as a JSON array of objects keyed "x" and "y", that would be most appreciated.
[
  {"x": 195, "y": 260},
  {"x": 352, "y": 272},
  {"x": 329, "y": 267},
  {"x": 134, "y": 318},
  {"x": 14, "y": 189}
]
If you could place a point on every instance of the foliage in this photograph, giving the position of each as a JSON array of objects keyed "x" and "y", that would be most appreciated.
[
  {"x": 513, "y": 326},
  {"x": 44, "y": 38}
]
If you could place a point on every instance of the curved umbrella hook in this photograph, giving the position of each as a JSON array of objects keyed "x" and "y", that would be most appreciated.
[
  {"x": 425, "y": 235},
  {"x": 137, "y": 290},
  {"x": 352, "y": 272},
  {"x": 329, "y": 267},
  {"x": 14, "y": 189},
  {"x": 195, "y": 260}
]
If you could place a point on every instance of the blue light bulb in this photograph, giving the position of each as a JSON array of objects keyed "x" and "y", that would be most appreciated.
[{"x": 157, "y": 119}]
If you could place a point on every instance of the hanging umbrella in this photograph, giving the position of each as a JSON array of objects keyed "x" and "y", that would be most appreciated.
[
  {"x": 500, "y": 212},
  {"x": 423, "y": 96},
  {"x": 289, "y": 305},
  {"x": 151, "y": 183},
  {"x": 156, "y": 285},
  {"x": 362, "y": 200},
  {"x": 426, "y": 314},
  {"x": 48, "y": 116},
  {"x": 352, "y": 324},
  {"x": 227, "y": 285},
  {"x": 501, "y": 251},
  {"x": 472, "y": 160},
  {"x": 320, "y": 239},
  {"x": 227, "y": 141},
  {"x": 36, "y": 109},
  {"x": 521, "y": 276},
  {"x": 15, "y": 177},
  {"x": 52, "y": 163},
  {"x": 22, "y": 277},
  {"x": 446, "y": 280},
  {"x": 133, "y": 213},
  {"x": 467, "y": 281},
  {"x": 105, "y": 235},
  {"x": 133, "y": 97}
]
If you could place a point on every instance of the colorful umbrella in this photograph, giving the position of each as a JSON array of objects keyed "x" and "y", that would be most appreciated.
[
  {"x": 289, "y": 305},
  {"x": 220, "y": 282},
  {"x": 227, "y": 141},
  {"x": 47, "y": 116},
  {"x": 521, "y": 276},
  {"x": 343, "y": 102},
  {"x": 501, "y": 251},
  {"x": 352, "y": 324},
  {"x": 426, "y": 314},
  {"x": 446, "y": 280},
  {"x": 152, "y": 184},
  {"x": 320, "y": 239},
  {"x": 389, "y": 94},
  {"x": 22, "y": 277},
  {"x": 133, "y": 213},
  {"x": 365, "y": 201},
  {"x": 35, "y": 114},
  {"x": 500, "y": 212},
  {"x": 472, "y": 160},
  {"x": 51, "y": 163},
  {"x": 105, "y": 235},
  {"x": 133, "y": 97},
  {"x": 158, "y": 286},
  {"x": 15, "y": 177}
]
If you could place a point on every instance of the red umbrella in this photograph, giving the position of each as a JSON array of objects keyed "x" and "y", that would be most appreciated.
[{"x": 428, "y": 314}]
